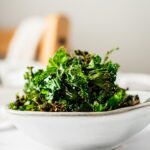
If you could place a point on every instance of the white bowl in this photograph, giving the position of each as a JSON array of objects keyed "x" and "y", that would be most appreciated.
[{"x": 83, "y": 130}]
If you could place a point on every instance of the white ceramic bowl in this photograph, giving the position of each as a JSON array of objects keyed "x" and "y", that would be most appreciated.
[{"x": 83, "y": 130}]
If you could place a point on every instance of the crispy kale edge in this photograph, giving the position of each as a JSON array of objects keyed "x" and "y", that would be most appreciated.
[{"x": 80, "y": 83}]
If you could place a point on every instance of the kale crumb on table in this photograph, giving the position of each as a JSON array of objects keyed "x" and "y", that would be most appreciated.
[{"x": 82, "y": 82}]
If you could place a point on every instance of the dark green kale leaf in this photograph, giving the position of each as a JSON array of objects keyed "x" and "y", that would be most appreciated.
[{"x": 82, "y": 82}]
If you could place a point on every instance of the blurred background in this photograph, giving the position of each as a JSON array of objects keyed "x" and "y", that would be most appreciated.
[{"x": 97, "y": 26}]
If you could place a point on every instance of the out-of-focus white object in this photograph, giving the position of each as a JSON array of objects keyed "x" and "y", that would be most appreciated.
[
  {"x": 5, "y": 123},
  {"x": 12, "y": 75},
  {"x": 22, "y": 52},
  {"x": 25, "y": 40},
  {"x": 134, "y": 81},
  {"x": 6, "y": 95}
]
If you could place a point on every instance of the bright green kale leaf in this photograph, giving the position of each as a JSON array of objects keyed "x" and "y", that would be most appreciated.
[{"x": 82, "y": 82}]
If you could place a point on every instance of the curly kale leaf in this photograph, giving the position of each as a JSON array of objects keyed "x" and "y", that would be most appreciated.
[{"x": 82, "y": 82}]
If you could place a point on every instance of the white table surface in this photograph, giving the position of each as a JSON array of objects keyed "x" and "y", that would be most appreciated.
[{"x": 12, "y": 139}]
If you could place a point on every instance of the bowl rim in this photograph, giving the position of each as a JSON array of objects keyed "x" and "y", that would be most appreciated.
[
  {"x": 83, "y": 114},
  {"x": 77, "y": 114}
]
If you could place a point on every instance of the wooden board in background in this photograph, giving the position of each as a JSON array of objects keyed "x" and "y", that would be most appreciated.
[
  {"x": 56, "y": 34},
  {"x": 5, "y": 37}
]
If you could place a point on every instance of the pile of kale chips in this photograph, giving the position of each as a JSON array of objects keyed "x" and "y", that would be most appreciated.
[{"x": 80, "y": 83}]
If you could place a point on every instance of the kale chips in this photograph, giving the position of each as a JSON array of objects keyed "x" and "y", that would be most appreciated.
[{"x": 82, "y": 82}]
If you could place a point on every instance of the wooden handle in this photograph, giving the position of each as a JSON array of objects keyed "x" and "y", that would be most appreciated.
[
  {"x": 54, "y": 36},
  {"x": 5, "y": 37}
]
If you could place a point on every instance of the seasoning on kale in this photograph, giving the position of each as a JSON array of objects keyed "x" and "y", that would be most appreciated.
[{"x": 82, "y": 82}]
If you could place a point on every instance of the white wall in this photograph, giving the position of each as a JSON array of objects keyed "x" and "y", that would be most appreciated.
[{"x": 97, "y": 25}]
